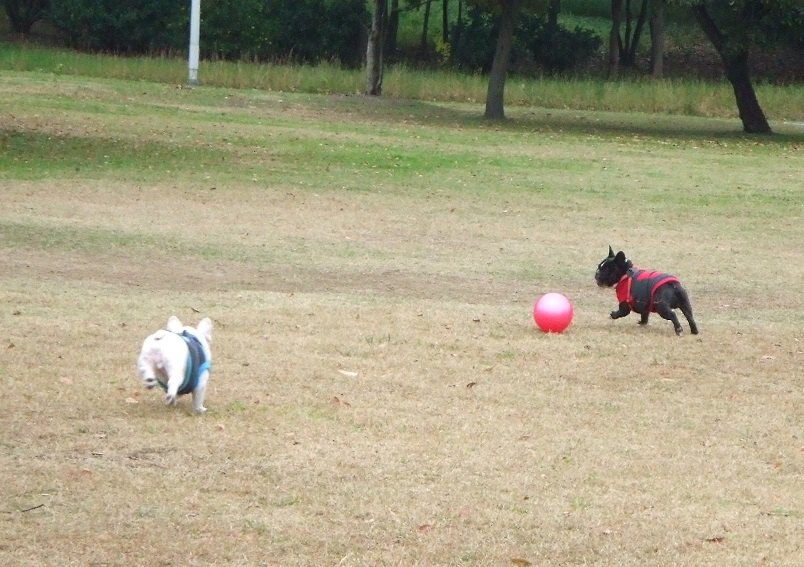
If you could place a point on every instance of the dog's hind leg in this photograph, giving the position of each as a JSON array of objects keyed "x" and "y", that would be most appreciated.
[
  {"x": 175, "y": 379},
  {"x": 198, "y": 398},
  {"x": 686, "y": 308},
  {"x": 664, "y": 311}
]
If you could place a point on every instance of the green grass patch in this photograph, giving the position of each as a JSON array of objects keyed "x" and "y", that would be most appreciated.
[{"x": 694, "y": 98}]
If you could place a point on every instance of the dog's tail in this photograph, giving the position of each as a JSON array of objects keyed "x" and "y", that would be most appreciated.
[{"x": 686, "y": 308}]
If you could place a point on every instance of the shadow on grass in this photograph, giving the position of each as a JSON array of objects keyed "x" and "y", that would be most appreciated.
[
  {"x": 582, "y": 122},
  {"x": 33, "y": 155}
]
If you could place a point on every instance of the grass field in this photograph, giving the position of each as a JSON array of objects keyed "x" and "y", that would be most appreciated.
[
  {"x": 379, "y": 394},
  {"x": 692, "y": 97}
]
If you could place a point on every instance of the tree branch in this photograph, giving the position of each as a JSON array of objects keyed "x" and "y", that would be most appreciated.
[{"x": 708, "y": 26}]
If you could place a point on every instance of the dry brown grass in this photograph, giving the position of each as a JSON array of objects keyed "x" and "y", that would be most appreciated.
[{"x": 380, "y": 395}]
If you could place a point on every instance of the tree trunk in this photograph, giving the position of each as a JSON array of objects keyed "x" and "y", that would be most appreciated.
[
  {"x": 625, "y": 46},
  {"x": 657, "y": 38},
  {"x": 374, "y": 50},
  {"x": 640, "y": 25},
  {"x": 445, "y": 21},
  {"x": 392, "y": 29},
  {"x": 735, "y": 63},
  {"x": 425, "y": 29},
  {"x": 751, "y": 114},
  {"x": 499, "y": 67},
  {"x": 614, "y": 38}
]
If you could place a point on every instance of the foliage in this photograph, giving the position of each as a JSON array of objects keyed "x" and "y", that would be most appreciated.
[
  {"x": 299, "y": 30},
  {"x": 472, "y": 41},
  {"x": 233, "y": 30},
  {"x": 588, "y": 8},
  {"x": 759, "y": 22},
  {"x": 23, "y": 14},
  {"x": 558, "y": 50},
  {"x": 346, "y": 24},
  {"x": 536, "y": 46},
  {"x": 306, "y": 31},
  {"x": 126, "y": 26}
]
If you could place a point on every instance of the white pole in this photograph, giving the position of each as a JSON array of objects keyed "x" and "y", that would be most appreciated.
[{"x": 195, "y": 27}]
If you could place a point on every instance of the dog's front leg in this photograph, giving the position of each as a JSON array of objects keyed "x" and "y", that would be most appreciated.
[
  {"x": 622, "y": 311},
  {"x": 198, "y": 398}
]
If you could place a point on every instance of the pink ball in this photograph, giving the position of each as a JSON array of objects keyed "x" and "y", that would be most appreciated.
[{"x": 552, "y": 313}]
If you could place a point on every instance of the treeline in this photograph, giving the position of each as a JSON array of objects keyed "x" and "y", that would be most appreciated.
[{"x": 299, "y": 31}]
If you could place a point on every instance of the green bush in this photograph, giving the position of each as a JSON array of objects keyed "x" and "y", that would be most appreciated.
[
  {"x": 473, "y": 41},
  {"x": 305, "y": 31},
  {"x": 536, "y": 47},
  {"x": 558, "y": 50},
  {"x": 121, "y": 26},
  {"x": 234, "y": 29}
]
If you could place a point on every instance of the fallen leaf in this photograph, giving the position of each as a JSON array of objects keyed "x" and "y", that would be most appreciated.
[
  {"x": 348, "y": 373},
  {"x": 521, "y": 562},
  {"x": 132, "y": 401},
  {"x": 424, "y": 528},
  {"x": 715, "y": 539},
  {"x": 340, "y": 402},
  {"x": 471, "y": 385}
]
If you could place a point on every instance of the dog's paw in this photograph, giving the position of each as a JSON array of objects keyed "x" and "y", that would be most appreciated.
[
  {"x": 201, "y": 410},
  {"x": 614, "y": 314},
  {"x": 170, "y": 400}
]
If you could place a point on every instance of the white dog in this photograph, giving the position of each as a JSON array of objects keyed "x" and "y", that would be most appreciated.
[{"x": 178, "y": 360}]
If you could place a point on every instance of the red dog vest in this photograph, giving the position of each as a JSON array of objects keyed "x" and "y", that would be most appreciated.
[{"x": 637, "y": 288}]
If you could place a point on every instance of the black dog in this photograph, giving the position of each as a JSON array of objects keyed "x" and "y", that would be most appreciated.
[{"x": 644, "y": 291}]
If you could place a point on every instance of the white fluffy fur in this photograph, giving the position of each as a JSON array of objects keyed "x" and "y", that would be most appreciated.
[{"x": 164, "y": 354}]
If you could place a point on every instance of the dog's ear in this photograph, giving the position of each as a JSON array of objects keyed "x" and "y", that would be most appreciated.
[
  {"x": 620, "y": 258},
  {"x": 611, "y": 252},
  {"x": 174, "y": 324},
  {"x": 204, "y": 328}
]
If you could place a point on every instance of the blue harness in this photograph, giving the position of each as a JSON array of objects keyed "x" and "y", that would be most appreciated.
[{"x": 197, "y": 364}]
